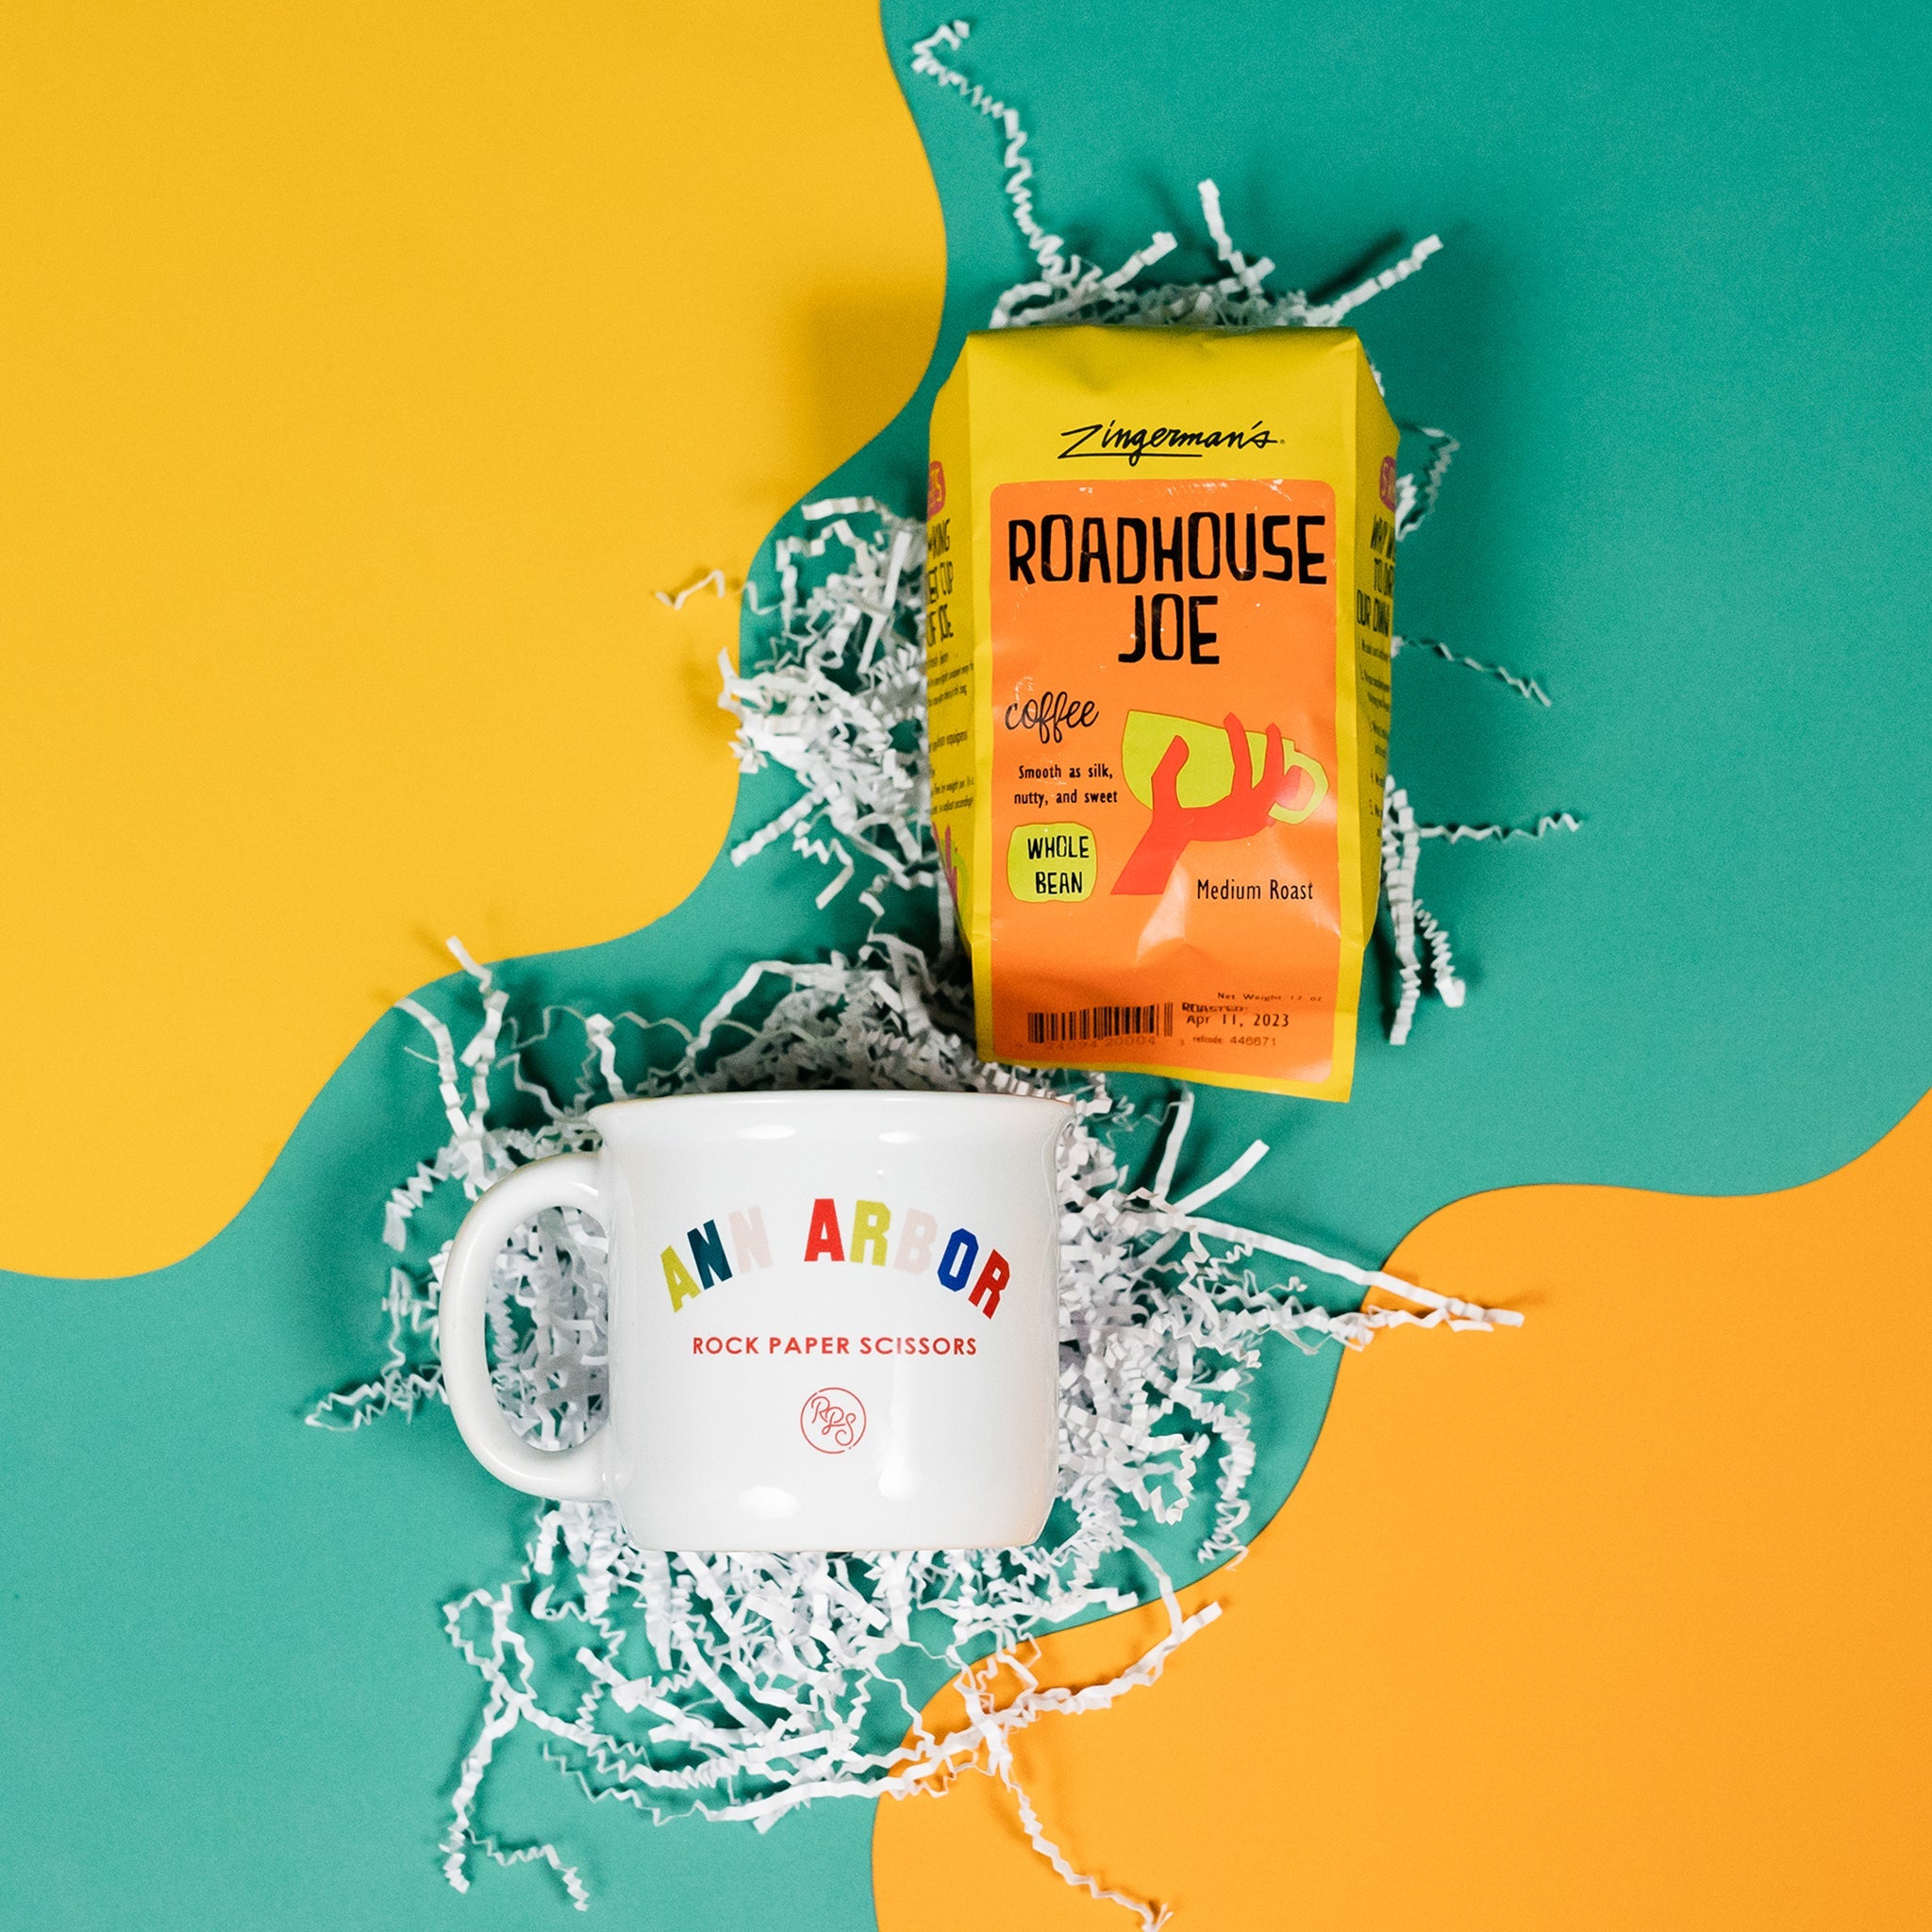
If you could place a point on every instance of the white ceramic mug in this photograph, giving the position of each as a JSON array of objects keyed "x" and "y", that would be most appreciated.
[{"x": 834, "y": 1321}]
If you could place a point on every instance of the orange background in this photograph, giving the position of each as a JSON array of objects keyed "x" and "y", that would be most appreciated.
[{"x": 1615, "y": 1620}]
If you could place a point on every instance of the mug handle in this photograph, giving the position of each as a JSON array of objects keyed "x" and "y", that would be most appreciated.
[{"x": 565, "y": 1476}]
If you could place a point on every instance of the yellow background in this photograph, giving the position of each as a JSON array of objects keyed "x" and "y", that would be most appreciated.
[{"x": 364, "y": 372}]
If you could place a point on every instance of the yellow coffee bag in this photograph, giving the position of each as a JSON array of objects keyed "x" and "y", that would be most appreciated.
[{"x": 1160, "y": 571}]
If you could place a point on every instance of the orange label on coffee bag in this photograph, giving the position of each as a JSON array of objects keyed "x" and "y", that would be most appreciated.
[
  {"x": 1158, "y": 622},
  {"x": 1163, "y": 767}
]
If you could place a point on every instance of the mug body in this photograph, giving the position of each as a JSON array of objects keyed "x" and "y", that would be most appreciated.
[{"x": 833, "y": 1319}]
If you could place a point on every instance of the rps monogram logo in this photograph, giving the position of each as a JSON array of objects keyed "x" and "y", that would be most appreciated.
[{"x": 832, "y": 1419}]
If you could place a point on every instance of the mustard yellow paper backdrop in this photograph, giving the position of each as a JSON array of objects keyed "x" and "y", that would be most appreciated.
[{"x": 365, "y": 371}]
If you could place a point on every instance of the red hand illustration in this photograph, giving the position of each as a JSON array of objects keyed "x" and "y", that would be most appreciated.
[{"x": 1176, "y": 826}]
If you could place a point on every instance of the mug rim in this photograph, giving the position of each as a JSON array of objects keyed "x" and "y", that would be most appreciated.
[{"x": 789, "y": 1097}]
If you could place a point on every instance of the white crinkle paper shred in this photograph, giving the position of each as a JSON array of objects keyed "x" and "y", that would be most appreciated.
[
  {"x": 744, "y": 1686},
  {"x": 740, "y": 1685}
]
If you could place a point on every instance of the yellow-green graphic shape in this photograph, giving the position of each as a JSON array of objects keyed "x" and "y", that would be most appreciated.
[
  {"x": 1050, "y": 861},
  {"x": 1207, "y": 776}
]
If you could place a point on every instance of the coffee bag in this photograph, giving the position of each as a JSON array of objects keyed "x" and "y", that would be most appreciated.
[{"x": 1160, "y": 571}]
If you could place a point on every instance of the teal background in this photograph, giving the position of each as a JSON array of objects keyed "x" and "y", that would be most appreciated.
[{"x": 1680, "y": 329}]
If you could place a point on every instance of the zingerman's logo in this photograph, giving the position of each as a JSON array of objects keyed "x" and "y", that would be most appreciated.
[{"x": 1091, "y": 441}]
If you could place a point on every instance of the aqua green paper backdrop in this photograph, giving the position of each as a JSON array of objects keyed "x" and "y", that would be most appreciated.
[{"x": 1679, "y": 328}]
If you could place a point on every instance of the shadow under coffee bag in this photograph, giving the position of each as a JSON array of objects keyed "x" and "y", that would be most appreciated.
[{"x": 1160, "y": 568}]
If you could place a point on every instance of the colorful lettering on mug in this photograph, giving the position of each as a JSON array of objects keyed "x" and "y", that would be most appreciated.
[
  {"x": 748, "y": 1242},
  {"x": 707, "y": 1250},
  {"x": 993, "y": 1278},
  {"x": 870, "y": 1220},
  {"x": 915, "y": 1242},
  {"x": 955, "y": 1264},
  {"x": 749, "y": 1247},
  {"x": 877, "y": 1240},
  {"x": 678, "y": 1279},
  {"x": 822, "y": 1242}
]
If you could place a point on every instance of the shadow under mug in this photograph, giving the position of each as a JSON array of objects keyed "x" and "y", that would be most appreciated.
[{"x": 834, "y": 1320}]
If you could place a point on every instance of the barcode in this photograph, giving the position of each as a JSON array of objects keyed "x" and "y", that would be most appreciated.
[{"x": 1098, "y": 1022}]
